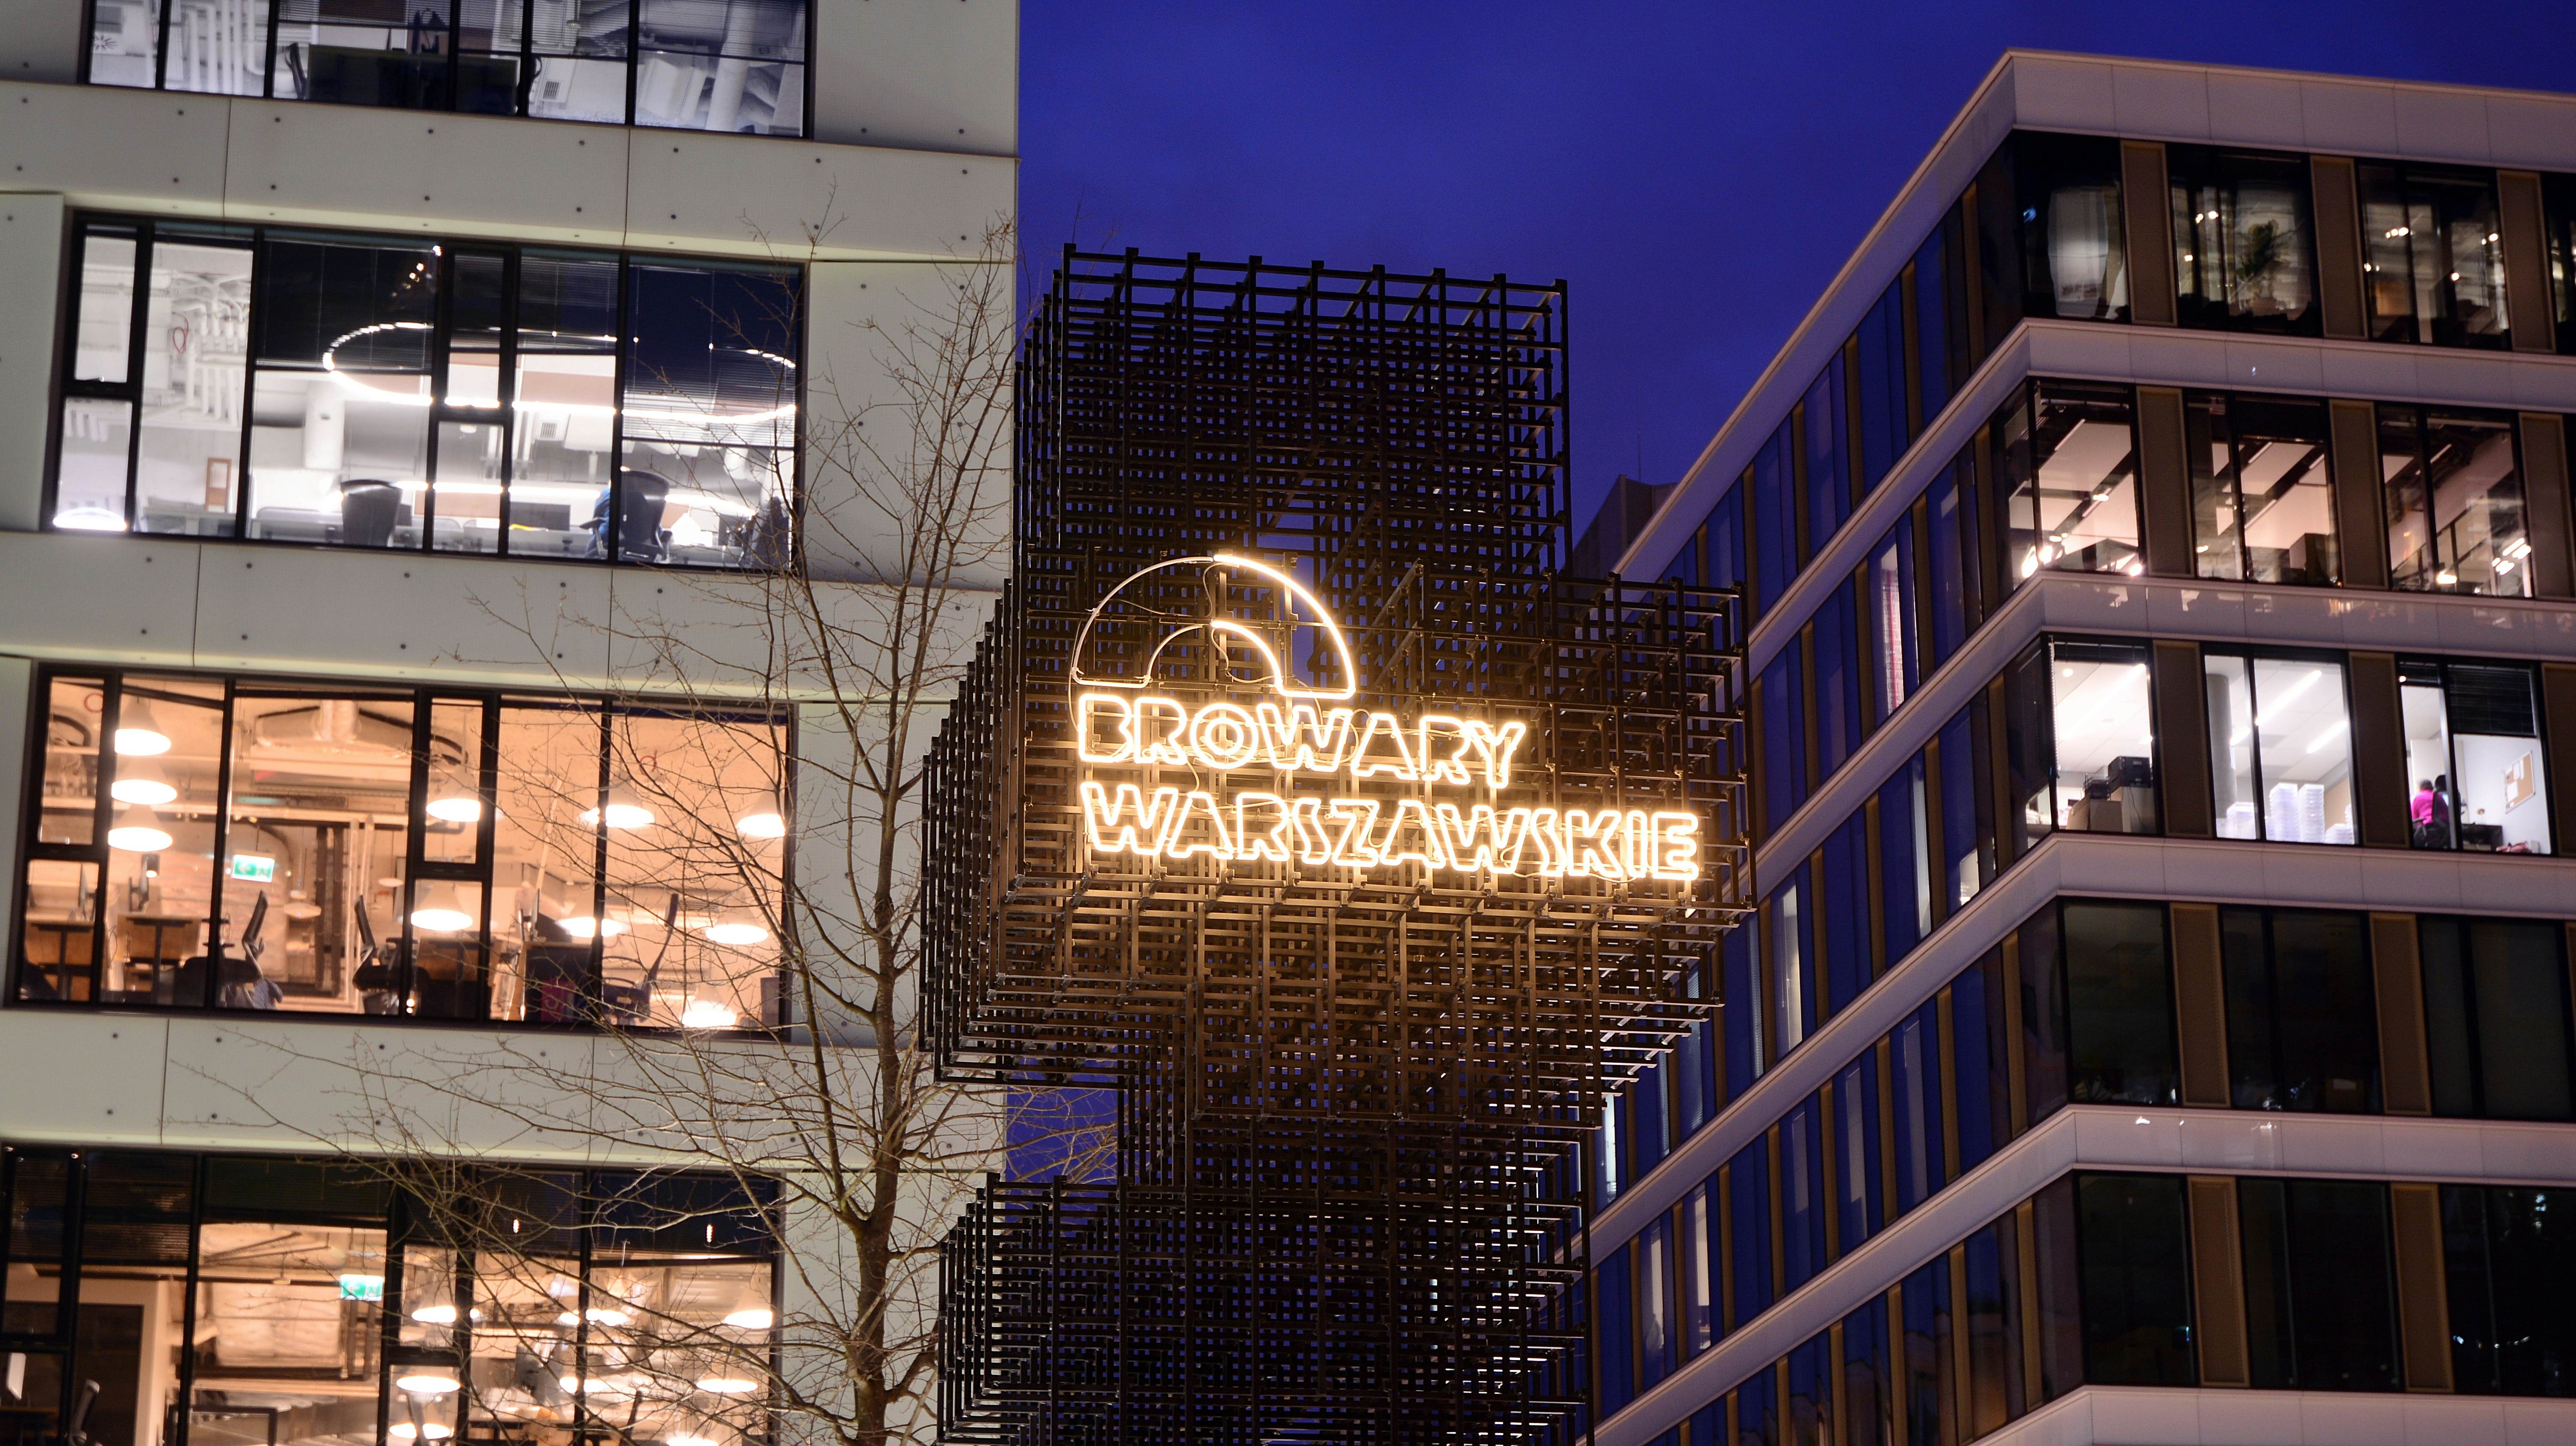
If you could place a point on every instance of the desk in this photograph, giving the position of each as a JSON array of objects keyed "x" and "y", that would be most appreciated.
[
  {"x": 65, "y": 953},
  {"x": 154, "y": 945}
]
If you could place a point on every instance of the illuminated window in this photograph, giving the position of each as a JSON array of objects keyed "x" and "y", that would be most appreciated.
[
  {"x": 424, "y": 853},
  {"x": 425, "y": 395},
  {"x": 735, "y": 67}
]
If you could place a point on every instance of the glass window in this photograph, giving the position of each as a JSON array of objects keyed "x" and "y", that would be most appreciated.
[
  {"x": 1740, "y": 1022},
  {"x": 1825, "y": 434},
  {"x": 2072, "y": 247},
  {"x": 2559, "y": 202},
  {"x": 1838, "y": 681},
  {"x": 1656, "y": 1349},
  {"x": 1808, "y": 1415},
  {"x": 736, "y": 66},
  {"x": 2320, "y": 1296},
  {"x": 1791, "y": 995},
  {"x": 1699, "y": 1268},
  {"x": 2090, "y": 766},
  {"x": 1748, "y": 1208},
  {"x": 318, "y": 883},
  {"x": 2302, "y": 1011},
  {"x": 380, "y": 414},
  {"x": 2433, "y": 255},
  {"x": 1914, "y": 1059},
  {"x": 1905, "y": 867},
  {"x": 1954, "y": 557},
  {"x": 2243, "y": 257},
  {"x": 1993, "y": 1331},
  {"x": 2280, "y": 756},
  {"x": 1842, "y": 914},
  {"x": 2511, "y": 1263},
  {"x": 1858, "y": 1179},
  {"x": 1895, "y": 651},
  {"x": 2066, "y": 467},
  {"x": 2119, "y": 1004},
  {"x": 1967, "y": 823},
  {"x": 1880, "y": 361},
  {"x": 2474, "y": 758},
  {"x": 1725, "y": 540},
  {"x": 1771, "y": 493},
  {"x": 2454, "y": 498},
  {"x": 1782, "y": 716},
  {"x": 1802, "y": 1193},
  {"x": 2262, "y": 503},
  {"x": 1926, "y": 1397},
  {"x": 2136, "y": 1270},
  {"x": 1978, "y": 1058},
  {"x": 1869, "y": 1392},
  {"x": 708, "y": 475},
  {"x": 2495, "y": 1018},
  {"x": 1940, "y": 325}
]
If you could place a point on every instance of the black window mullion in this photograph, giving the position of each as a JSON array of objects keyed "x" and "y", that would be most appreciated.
[
  {"x": 223, "y": 840},
  {"x": 507, "y": 390},
  {"x": 415, "y": 847},
  {"x": 161, "y": 50},
  {"x": 442, "y": 334},
  {"x": 590, "y": 984},
  {"x": 250, "y": 351},
  {"x": 626, "y": 336},
  {"x": 634, "y": 62},
  {"x": 137, "y": 324},
  {"x": 188, "y": 1307},
  {"x": 487, "y": 775},
  {"x": 268, "y": 74},
  {"x": 527, "y": 90}
]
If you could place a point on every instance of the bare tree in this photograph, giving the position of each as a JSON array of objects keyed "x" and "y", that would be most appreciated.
[{"x": 804, "y": 693}]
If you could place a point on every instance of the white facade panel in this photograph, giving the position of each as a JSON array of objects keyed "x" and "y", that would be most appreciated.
[
  {"x": 932, "y": 75},
  {"x": 40, "y": 40},
  {"x": 795, "y": 199},
  {"x": 132, "y": 149},
  {"x": 31, "y": 282},
  {"x": 426, "y": 172}
]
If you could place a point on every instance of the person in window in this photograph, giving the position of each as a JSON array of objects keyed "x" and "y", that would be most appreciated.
[{"x": 2432, "y": 816}]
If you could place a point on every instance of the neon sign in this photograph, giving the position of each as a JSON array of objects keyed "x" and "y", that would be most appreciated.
[{"x": 1302, "y": 731}]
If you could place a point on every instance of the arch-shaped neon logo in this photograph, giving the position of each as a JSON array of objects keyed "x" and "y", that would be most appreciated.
[{"x": 1123, "y": 725}]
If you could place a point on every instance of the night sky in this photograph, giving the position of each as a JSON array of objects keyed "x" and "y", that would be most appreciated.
[{"x": 1697, "y": 173}]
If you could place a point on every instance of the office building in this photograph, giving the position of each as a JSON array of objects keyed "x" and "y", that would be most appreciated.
[
  {"x": 2156, "y": 1025},
  {"x": 377, "y": 381}
]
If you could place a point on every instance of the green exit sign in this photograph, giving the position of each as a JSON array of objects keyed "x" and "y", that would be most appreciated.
[
  {"x": 258, "y": 868},
  {"x": 362, "y": 1287}
]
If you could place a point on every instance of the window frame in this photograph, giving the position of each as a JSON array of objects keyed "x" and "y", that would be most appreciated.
[
  {"x": 417, "y": 869},
  {"x": 257, "y": 239},
  {"x": 455, "y": 51}
]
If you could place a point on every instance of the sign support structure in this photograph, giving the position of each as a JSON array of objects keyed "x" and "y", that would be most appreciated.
[{"x": 1294, "y": 796}]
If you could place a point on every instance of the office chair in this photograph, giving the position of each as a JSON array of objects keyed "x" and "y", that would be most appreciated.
[
  {"x": 239, "y": 982},
  {"x": 374, "y": 976},
  {"x": 368, "y": 508},
  {"x": 642, "y": 495}
]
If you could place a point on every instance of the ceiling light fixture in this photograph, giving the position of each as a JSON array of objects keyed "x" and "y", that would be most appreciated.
[
  {"x": 455, "y": 810},
  {"x": 736, "y": 935},
  {"x": 138, "y": 733},
  {"x": 142, "y": 783},
  {"x": 138, "y": 832},
  {"x": 766, "y": 824}
]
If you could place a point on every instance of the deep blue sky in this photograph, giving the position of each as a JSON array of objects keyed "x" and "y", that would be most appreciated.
[{"x": 1696, "y": 172}]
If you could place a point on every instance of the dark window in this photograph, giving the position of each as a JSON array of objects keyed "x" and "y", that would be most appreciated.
[
  {"x": 2043, "y": 1016},
  {"x": 1809, "y": 1414},
  {"x": 1894, "y": 649},
  {"x": 1905, "y": 860},
  {"x": 1842, "y": 913},
  {"x": 2136, "y": 1273},
  {"x": 1978, "y": 1060},
  {"x": 1940, "y": 323},
  {"x": 737, "y": 66},
  {"x": 1789, "y": 987},
  {"x": 1993, "y": 1330},
  {"x": 1914, "y": 1057},
  {"x": 1929, "y": 1338},
  {"x": 2065, "y": 465},
  {"x": 2320, "y": 1293},
  {"x": 1803, "y": 1202},
  {"x": 2510, "y": 1255},
  {"x": 1740, "y": 1024},
  {"x": 1868, "y": 1376},
  {"x": 1614, "y": 1282},
  {"x": 2262, "y": 502},
  {"x": 1857, "y": 1173},
  {"x": 1998, "y": 261},
  {"x": 1757, "y": 1411},
  {"x": 2071, "y": 238},
  {"x": 1657, "y": 1349},
  {"x": 2495, "y": 1018},
  {"x": 1694, "y": 1054},
  {"x": 1826, "y": 436},
  {"x": 1771, "y": 495},
  {"x": 2119, "y": 1004},
  {"x": 416, "y": 395},
  {"x": 2560, "y": 204},
  {"x": 2243, "y": 257},
  {"x": 2454, "y": 498},
  {"x": 1748, "y": 1208},
  {"x": 1881, "y": 399},
  {"x": 2478, "y": 774},
  {"x": 1645, "y": 1136},
  {"x": 2302, "y": 1014},
  {"x": 1967, "y": 817},
  {"x": 1784, "y": 738},
  {"x": 428, "y": 852},
  {"x": 1838, "y": 681},
  {"x": 2433, "y": 255},
  {"x": 1725, "y": 540},
  {"x": 1954, "y": 558}
]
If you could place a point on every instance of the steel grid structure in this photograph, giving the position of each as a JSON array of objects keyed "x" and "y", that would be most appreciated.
[{"x": 1353, "y": 1095}]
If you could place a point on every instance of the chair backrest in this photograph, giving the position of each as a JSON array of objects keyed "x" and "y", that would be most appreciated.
[
  {"x": 639, "y": 514},
  {"x": 368, "y": 507}
]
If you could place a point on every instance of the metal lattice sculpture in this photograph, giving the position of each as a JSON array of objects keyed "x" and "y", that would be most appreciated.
[{"x": 1295, "y": 795}]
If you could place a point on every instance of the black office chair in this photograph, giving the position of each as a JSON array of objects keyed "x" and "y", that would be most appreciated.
[
  {"x": 368, "y": 510},
  {"x": 640, "y": 537}
]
